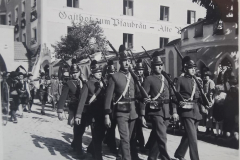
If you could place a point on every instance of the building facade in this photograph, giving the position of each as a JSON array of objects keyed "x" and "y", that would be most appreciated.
[{"x": 134, "y": 23}]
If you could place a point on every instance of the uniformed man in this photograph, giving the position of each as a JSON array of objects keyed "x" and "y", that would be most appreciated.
[
  {"x": 91, "y": 104},
  {"x": 123, "y": 86},
  {"x": 189, "y": 111},
  {"x": 54, "y": 91},
  {"x": 110, "y": 135},
  {"x": 43, "y": 91},
  {"x": 14, "y": 102},
  {"x": 157, "y": 107},
  {"x": 32, "y": 89},
  {"x": 138, "y": 136},
  {"x": 23, "y": 93},
  {"x": 72, "y": 90}
]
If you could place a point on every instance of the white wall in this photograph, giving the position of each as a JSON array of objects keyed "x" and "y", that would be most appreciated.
[{"x": 7, "y": 46}]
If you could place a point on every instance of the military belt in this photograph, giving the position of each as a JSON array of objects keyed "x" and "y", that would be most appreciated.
[
  {"x": 127, "y": 99},
  {"x": 163, "y": 101}
]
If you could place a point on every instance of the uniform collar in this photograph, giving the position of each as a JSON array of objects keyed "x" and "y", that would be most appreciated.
[
  {"x": 92, "y": 78},
  {"x": 188, "y": 76},
  {"x": 124, "y": 72}
]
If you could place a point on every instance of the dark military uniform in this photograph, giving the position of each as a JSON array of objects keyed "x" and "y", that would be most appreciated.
[
  {"x": 71, "y": 90},
  {"x": 95, "y": 109},
  {"x": 125, "y": 120},
  {"x": 190, "y": 117},
  {"x": 160, "y": 117}
]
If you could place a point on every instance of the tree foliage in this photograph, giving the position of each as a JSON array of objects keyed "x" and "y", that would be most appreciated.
[
  {"x": 226, "y": 10},
  {"x": 84, "y": 38}
]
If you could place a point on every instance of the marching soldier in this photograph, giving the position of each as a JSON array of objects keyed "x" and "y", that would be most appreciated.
[
  {"x": 110, "y": 135},
  {"x": 123, "y": 86},
  {"x": 32, "y": 89},
  {"x": 91, "y": 105},
  {"x": 139, "y": 69},
  {"x": 12, "y": 82},
  {"x": 43, "y": 91},
  {"x": 23, "y": 93},
  {"x": 71, "y": 90},
  {"x": 157, "y": 107},
  {"x": 188, "y": 111},
  {"x": 54, "y": 91}
]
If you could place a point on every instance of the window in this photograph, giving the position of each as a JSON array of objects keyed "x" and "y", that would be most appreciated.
[
  {"x": 10, "y": 19},
  {"x": 128, "y": 7},
  {"x": 198, "y": 30},
  {"x": 185, "y": 34},
  {"x": 34, "y": 36},
  {"x": 218, "y": 28},
  {"x": 17, "y": 39},
  {"x": 3, "y": 19},
  {"x": 16, "y": 15},
  {"x": 23, "y": 6},
  {"x": 164, "y": 13},
  {"x": 163, "y": 42},
  {"x": 73, "y": 3},
  {"x": 128, "y": 40},
  {"x": 191, "y": 17},
  {"x": 24, "y": 37}
]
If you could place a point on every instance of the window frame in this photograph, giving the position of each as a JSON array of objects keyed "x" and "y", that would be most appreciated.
[
  {"x": 163, "y": 12},
  {"x": 126, "y": 11},
  {"x": 74, "y": 3},
  {"x": 124, "y": 42},
  {"x": 16, "y": 13},
  {"x": 163, "y": 40},
  {"x": 9, "y": 19},
  {"x": 189, "y": 17}
]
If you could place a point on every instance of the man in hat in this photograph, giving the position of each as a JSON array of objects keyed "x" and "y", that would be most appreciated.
[
  {"x": 91, "y": 104},
  {"x": 209, "y": 88},
  {"x": 54, "y": 91},
  {"x": 123, "y": 86},
  {"x": 71, "y": 91},
  {"x": 138, "y": 134},
  {"x": 32, "y": 89},
  {"x": 43, "y": 91},
  {"x": 110, "y": 135},
  {"x": 23, "y": 93},
  {"x": 14, "y": 102},
  {"x": 189, "y": 110},
  {"x": 157, "y": 107}
]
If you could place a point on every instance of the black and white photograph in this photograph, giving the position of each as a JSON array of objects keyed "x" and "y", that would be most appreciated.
[{"x": 119, "y": 80}]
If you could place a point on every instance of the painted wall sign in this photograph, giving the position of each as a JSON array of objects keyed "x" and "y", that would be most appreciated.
[{"x": 116, "y": 22}]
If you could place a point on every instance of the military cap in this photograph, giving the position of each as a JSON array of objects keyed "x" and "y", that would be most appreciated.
[
  {"x": 139, "y": 65},
  {"x": 187, "y": 62},
  {"x": 95, "y": 67},
  {"x": 74, "y": 68},
  {"x": 123, "y": 55},
  {"x": 110, "y": 67},
  {"x": 207, "y": 73},
  {"x": 156, "y": 57}
]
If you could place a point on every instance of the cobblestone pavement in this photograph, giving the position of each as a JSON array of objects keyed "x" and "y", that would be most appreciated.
[{"x": 44, "y": 137}]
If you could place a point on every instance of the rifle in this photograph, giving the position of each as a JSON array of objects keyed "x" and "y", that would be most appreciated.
[
  {"x": 177, "y": 94},
  {"x": 204, "y": 98},
  {"x": 135, "y": 77},
  {"x": 104, "y": 83}
]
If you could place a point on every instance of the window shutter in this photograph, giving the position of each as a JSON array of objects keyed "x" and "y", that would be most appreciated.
[
  {"x": 161, "y": 12},
  {"x": 188, "y": 17}
]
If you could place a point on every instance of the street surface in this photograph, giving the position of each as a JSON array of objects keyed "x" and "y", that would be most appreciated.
[{"x": 44, "y": 137}]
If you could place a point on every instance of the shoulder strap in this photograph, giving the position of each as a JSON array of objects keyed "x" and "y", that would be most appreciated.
[
  {"x": 126, "y": 87},
  {"x": 194, "y": 90},
  {"x": 161, "y": 89}
]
